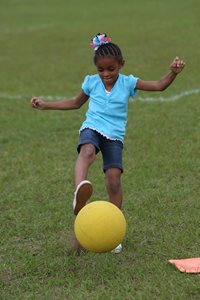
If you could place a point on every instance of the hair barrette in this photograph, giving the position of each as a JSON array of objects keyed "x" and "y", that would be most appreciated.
[{"x": 99, "y": 39}]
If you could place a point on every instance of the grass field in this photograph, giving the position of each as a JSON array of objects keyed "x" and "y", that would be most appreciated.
[{"x": 44, "y": 51}]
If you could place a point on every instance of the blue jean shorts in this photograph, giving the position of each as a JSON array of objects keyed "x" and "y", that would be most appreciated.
[{"x": 111, "y": 149}]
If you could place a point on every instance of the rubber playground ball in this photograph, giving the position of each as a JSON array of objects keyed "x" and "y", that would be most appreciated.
[{"x": 100, "y": 226}]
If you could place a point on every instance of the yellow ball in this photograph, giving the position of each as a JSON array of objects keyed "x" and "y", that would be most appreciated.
[{"x": 100, "y": 226}]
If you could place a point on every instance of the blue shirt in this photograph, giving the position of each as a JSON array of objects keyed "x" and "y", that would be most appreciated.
[{"x": 107, "y": 112}]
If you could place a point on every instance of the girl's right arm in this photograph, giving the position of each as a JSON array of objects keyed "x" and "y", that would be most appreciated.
[{"x": 73, "y": 103}]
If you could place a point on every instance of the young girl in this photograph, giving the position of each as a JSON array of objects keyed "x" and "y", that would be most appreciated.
[{"x": 104, "y": 128}]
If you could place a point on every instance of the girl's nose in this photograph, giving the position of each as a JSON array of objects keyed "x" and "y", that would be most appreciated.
[{"x": 105, "y": 73}]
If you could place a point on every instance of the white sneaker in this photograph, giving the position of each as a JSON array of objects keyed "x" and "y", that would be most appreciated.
[
  {"x": 118, "y": 249},
  {"x": 82, "y": 195}
]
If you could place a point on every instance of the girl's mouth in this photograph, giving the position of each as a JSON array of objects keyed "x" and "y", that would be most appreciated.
[{"x": 107, "y": 79}]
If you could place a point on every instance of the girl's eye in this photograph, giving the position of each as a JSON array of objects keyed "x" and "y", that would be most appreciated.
[{"x": 111, "y": 69}]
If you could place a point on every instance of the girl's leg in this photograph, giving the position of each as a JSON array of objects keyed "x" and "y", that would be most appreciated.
[
  {"x": 113, "y": 185},
  {"x": 85, "y": 159},
  {"x": 83, "y": 189}
]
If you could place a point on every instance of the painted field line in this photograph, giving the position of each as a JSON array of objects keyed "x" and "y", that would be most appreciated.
[
  {"x": 137, "y": 98},
  {"x": 170, "y": 98}
]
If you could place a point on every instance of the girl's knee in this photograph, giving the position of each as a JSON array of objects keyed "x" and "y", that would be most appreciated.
[{"x": 88, "y": 151}]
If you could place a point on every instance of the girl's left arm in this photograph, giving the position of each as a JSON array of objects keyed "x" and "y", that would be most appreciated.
[{"x": 160, "y": 85}]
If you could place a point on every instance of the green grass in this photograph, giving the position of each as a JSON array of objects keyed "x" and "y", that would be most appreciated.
[{"x": 44, "y": 51}]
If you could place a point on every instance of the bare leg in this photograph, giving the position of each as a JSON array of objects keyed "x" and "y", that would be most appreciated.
[
  {"x": 83, "y": 188},
  {"x": 85, "y": 159},
  {"x": 113, "y": 185}
]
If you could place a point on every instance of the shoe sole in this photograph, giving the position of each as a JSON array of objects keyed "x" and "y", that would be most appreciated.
[
  {"x": 83, "y": 193},
  {"x": 117, "y": 250}
]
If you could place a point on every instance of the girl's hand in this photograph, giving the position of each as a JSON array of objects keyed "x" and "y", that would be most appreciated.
[
  {"x": 177, "y": 65},
  {"x": 37, "y": 103}
]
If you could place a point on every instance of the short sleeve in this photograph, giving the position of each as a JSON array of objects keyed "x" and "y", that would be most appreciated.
[
  {"x": 132, "y": 84},
  {"x": 86, "y": 85}
]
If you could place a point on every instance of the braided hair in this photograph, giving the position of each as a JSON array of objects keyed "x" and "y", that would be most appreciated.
[{"x": 109, "y": 49}]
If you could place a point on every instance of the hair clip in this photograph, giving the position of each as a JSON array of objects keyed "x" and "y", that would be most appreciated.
[{"x": 99, "y": 39}]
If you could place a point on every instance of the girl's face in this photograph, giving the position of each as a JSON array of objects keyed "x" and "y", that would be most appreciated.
[{"x": 108, "y": 69}]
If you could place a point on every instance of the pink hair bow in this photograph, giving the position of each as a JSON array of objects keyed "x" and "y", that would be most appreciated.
[{"x": 99, "y": 39}]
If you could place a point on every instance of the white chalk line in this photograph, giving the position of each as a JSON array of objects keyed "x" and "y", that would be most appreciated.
[
  {"x": 170, "y": 98},
  {"x": 137, "y": 98}
]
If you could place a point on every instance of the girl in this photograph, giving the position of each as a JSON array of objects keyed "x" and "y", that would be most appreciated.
[{"x": 104, "y": 127}]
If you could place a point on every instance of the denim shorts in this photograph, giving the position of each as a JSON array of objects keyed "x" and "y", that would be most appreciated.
[{"x": 111, "y": 149}]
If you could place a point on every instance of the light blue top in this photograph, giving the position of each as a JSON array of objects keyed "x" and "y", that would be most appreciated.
[{"x": 107, "y": 112}]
